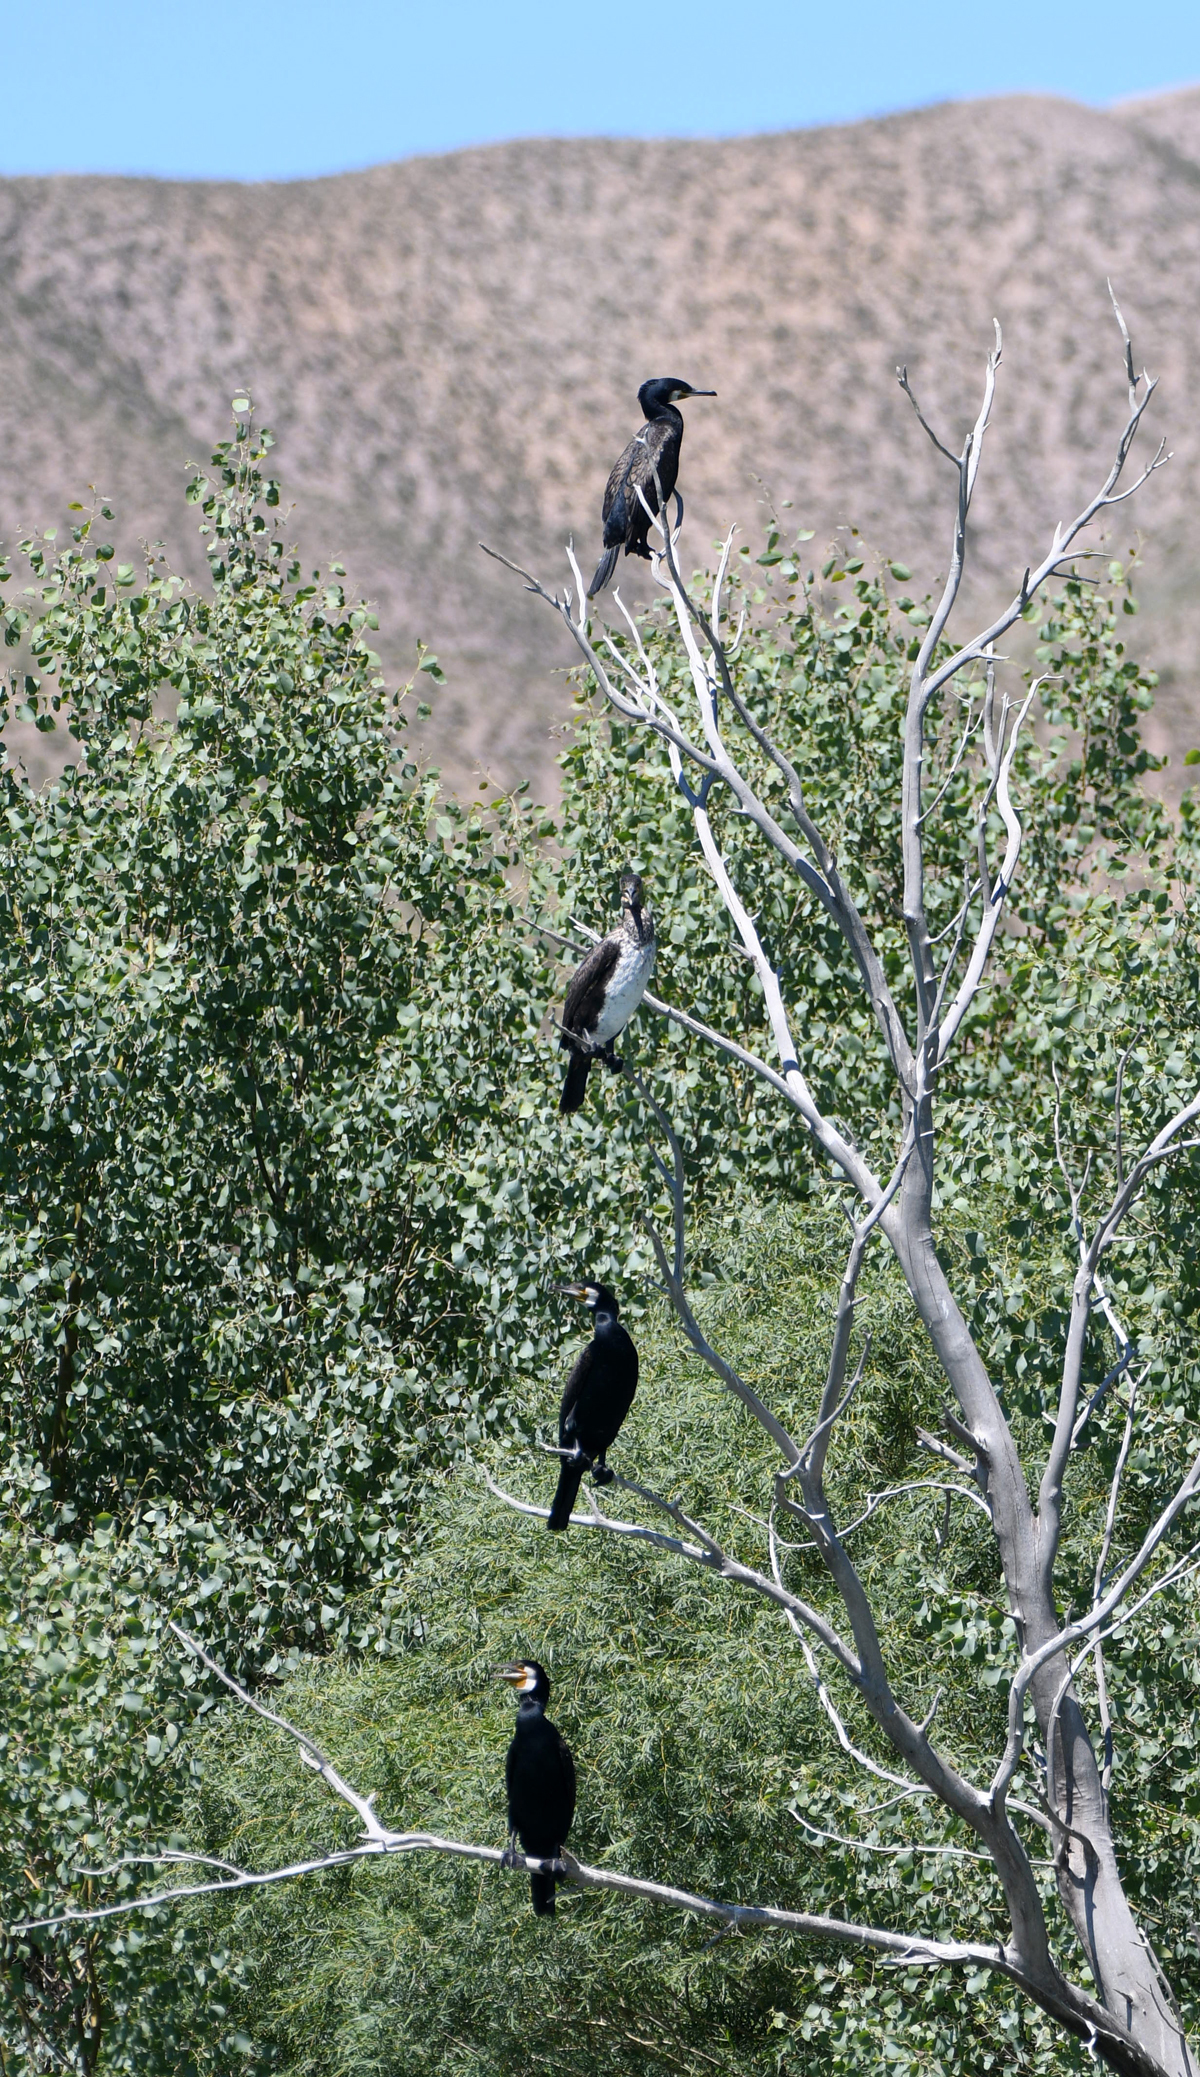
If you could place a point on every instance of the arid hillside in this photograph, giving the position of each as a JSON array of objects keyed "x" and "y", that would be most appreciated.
[{"x": 449, "y": 348}]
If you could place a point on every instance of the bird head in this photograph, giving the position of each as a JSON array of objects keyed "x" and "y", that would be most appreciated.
[
  {"x": 597, "y": 1298},
  {"x": 632, "y": 891},
  {"x": 667, "y": 389},
  {"x": 527, "y": 1677}
]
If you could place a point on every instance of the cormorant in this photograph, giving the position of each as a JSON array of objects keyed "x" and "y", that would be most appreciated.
[
  {"x": 606, "y": 990},
  {"x": 656, "y": 447},
  {"x": 540, "y": 1777},
  {"x": 599, "y": 1394}
]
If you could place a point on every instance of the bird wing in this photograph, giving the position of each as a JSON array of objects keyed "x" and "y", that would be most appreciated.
[
  {"x": 632, "y": 1379},
  {"x": 580, "y": 1373},
  {"x": 654, "y": 449},
  {"x": 620, "y": 469},
  {"x": 589, "y": 984},
  {"x": 568, "y": 1773},
  {"x": 602, "y": 1391}
]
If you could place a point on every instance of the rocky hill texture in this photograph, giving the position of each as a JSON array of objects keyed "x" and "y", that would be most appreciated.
[{"x": 448, "y": 350}]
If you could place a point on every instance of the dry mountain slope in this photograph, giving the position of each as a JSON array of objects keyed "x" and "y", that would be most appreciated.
[{"x": 448, "y": 349}]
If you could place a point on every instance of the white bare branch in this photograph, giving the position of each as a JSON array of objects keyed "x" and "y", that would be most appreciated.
[
  {"x": 1167, "y": 1142},
  {"x": 1073, "y": 2007},
  {"x": 968, "y": 989},
  {"x": 986, "y": 1469},
  {"x": 717, "y": 1363},
  {"x": 916, "y": 1949},
  {"x": 915, "y": 1485},
  {"x": 310, "y": 1751},
  {"x": 823, "y": 1836},
  {"x": 705, "y": 1551},
  {"x": 1097, "y": 1618}
]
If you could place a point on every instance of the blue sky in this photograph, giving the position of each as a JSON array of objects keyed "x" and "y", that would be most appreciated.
[{"x": 274, "y": 89}]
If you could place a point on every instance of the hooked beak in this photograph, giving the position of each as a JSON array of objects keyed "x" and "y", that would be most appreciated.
[
  {"x": 515, "y": 1672},
  {"x": 580, "y": 1291},
  {"x": 704, "y": 393}
]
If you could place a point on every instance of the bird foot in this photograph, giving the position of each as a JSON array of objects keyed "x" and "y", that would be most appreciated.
[
  {"x": 612, "y": 1060},
  {"x": 602, "y": 1475},
  {"x": 508, "y": 1858}
]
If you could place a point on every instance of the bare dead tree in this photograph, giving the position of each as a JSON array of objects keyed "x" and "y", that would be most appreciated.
[{"x": 1130, "y": 2019}]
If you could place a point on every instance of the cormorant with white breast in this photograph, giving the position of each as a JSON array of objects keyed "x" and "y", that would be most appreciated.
[
  {"x": 605, "y": 990},
  {"x": 598, "y": 1396},
  {"x": 540, "y": 1777},
  {"x": 653, "y": 451}
]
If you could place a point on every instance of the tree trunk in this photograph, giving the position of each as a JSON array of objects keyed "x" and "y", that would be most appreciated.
[{"x": 1129, "y": 1983}]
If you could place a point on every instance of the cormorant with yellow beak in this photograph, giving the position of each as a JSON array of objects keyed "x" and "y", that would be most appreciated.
[
  {"x": 652, "y": 453},
  {"x": 540, "y": 1777}
]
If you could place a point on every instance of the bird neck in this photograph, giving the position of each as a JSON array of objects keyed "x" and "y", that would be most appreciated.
[
  {"x": 638, "y": 924},
  {"x": 530, "y": 1706},
  {"x": 669, "y": 414}
]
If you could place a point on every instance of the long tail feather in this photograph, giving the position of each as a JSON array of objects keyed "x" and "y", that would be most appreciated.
[
  {"x": 575, "y": 1087},
  {"x": 541, "y": 1889},
  {"x": 604, "y": 569},
  {"x": 570, "y": 1478}
]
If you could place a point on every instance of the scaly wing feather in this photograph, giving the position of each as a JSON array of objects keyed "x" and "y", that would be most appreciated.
[
  {"x": 656, "y": 448},
  {"x": 617, "y": 475},
  {"x": 580, "y": 1373},
  {"x": 585, "y": 996}
]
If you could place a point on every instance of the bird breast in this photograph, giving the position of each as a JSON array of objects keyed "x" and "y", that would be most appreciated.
[{"x": 626, "y": 987}]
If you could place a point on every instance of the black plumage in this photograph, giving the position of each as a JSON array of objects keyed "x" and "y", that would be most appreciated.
[
  {"x": 598, "y": 1396},
  {"x": 652, "y": 454},
  {"x": 539, "y": 1774},
  {"x": 605, "y": 991}
]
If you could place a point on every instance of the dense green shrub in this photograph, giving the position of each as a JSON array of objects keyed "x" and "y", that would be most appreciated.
[
  {"x": 700, "y": 1746},
  {"x": 281, "y": 1193}
]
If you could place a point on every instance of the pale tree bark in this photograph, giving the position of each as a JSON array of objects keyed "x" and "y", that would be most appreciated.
[
  {"x": 1130, "y": 2020},
  {"x": 1144, "y": 2029}
]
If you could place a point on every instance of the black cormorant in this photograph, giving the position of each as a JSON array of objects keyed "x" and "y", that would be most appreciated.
[
  {"x": 655, "y": 448},
  {"x": 606, "y": 990},
  {"x": 540, "y": 1777},
  {"x": 599, "y": 1394}
]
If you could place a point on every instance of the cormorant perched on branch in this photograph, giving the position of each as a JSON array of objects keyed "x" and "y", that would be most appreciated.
[
  {"x": 599, "y": 1394},
  {"x": 540, "y": 1776},
  {"x": 606, "y": 990},
  {"x": 656, "y": 447}
]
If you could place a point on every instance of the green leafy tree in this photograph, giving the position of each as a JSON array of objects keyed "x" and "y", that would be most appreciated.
[
  {"x": 898, "y": 849},
  {"x": 276, "y": 1192},
  {"x": 936, "y": 1666}
]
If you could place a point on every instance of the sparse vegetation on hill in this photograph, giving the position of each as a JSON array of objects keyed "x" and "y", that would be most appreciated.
[{"x": 450, "y": 349}]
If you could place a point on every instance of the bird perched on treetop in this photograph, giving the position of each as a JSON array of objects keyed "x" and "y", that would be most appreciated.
[
  {"x": 598, "y": 1396},
  {"x": 605, "y": 990},
  {"x": 654, "y": 450},
  {"x": 540, "y": 1777}
]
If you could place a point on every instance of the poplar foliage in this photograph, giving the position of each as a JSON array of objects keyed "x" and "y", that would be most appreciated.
[{"x": 282, "y": 1194}]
